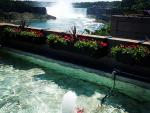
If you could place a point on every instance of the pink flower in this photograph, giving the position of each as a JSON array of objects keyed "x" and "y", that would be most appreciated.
[
  {"x": 129, "y": 45},
  {"x": 103, "y": 44},
  {"x": 68, "y": 38}
]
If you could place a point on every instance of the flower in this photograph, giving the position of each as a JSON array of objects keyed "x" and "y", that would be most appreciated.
[
  {"x": 129, "y": 45},
  {"x": 102, "y": 44},
  {"x": 135, "y": 51},
  {"x": 68, "y": 38},
  {"x": 37, "y": 33},
  {"x": 83, "y": 38},
  {"x": 25, "y": 32}
]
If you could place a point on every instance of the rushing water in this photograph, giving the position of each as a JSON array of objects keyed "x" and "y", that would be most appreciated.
[
  {"x": 66, "y": 17},
  {"x": 31, "y": 88},
  {"x": 65, "y": 21}
]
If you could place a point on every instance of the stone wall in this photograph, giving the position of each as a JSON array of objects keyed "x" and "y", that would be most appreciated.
[{"x": 130, "y": 26}]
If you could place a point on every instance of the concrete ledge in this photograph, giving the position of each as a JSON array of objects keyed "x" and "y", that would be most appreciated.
[{"x": 111, "y": 39}]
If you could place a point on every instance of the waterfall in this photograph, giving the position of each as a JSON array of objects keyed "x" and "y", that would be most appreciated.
[{"x": 63, "y": 9}]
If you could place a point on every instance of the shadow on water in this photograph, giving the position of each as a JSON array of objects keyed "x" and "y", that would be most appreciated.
[
  {"x": 81, "y": 87},
  {"x": 119, "y": 100},
  {"x": 17, "y": 63}
]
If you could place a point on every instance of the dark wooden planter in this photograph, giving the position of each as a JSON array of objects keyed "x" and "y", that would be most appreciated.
[
  {"x": 77, "y": 58},
  {"x": 83, "y": 51},
  {"x": 29, "y": 39},
  {"x": 127, "y": 59},
  {"x": 145, "y": 61}
]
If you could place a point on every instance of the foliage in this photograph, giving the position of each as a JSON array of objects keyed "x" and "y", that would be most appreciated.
[
  {"x": 135, "y": 6},
  {"x": 83, "y": 45},
  {"x": 8, "y": 29},
  {"x": 23, "y": 24},
  {"x": 137, "y": 52},
  {"x": 100, "y": 4},
  {"x": 103, "y": 31},
  {"x": 20, "y": 32},
  {"x": 86, "y": 44},
  {"x": 12, "y": 5},
  {"x": 73, "y": 33},
  {"x": 91, "y": 47},
  {"x": 55, "y": 39}
]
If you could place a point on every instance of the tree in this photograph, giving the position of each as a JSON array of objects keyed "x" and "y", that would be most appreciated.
[{"x": 136, "y": 6}]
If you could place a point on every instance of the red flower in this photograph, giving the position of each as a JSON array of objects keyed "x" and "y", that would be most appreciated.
[
  {"x": 102, "y": 44},
  {"x": 129, "y": 45},
  {"x": 68, "y": 38},
  {"x": 82, "y": 38},
  {"x": 37, "y": 33}
]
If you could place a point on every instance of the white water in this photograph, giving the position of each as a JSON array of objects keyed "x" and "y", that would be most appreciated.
[
  {"x": 63, "y": 9},
  {"x": 78, "y": 19},
  {"x": 67, "y": 16},
  {"x": 69, "y": 102}
]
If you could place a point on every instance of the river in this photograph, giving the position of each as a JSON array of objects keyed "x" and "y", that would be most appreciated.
[{"x": 65, "y": 20}]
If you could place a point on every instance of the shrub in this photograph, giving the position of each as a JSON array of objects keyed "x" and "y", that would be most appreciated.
[
  {"x": 8, "y": 29},
  {"x": 86, "y": 44},
  {"x": 73, "y": 33},
  {"x": 103, "y": 31},
  {"x": 56, "y": 40},
  {"x": 93, "y": 48},
  {"x": 28, "y": 35},
  {"x": 31, "y": 33},
  {"x": 83, "y": 45},
  {"x": 133, "y": 51},
  {"x": 26, "y": 32}
]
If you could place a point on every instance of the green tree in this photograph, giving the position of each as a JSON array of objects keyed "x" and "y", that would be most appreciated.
[{"x": 136, "y": 6}]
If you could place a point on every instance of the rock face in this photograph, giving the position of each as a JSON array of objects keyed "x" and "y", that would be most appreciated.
[
  {"x": 103, "y": 13},
  {"x": 51, "y": 17}
]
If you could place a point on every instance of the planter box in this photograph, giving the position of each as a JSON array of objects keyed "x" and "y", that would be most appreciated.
[
  {"x": 83, "y": 51},
  {"x": 127, "y": 59},
  {"x": 29, "y": 39},
  {"x": 104, "y": 63}
]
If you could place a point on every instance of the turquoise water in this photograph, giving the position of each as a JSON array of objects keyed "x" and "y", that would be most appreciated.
[
  {"x": 79, "y": 19},
  {"x": 26, "y": 87}
]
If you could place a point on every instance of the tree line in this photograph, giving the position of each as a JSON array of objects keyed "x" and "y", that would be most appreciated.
[
  {"x": 12, "y": 5},
  {"x": 136, "y": 6}
]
